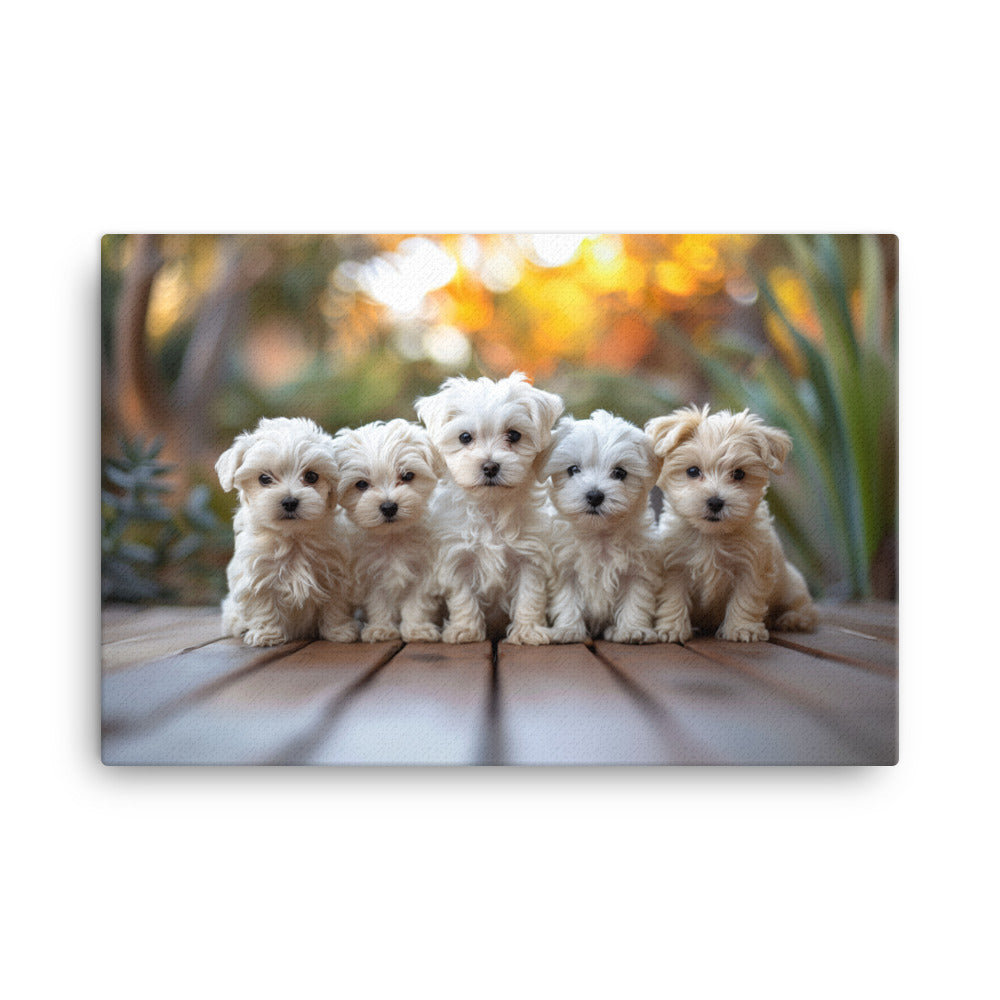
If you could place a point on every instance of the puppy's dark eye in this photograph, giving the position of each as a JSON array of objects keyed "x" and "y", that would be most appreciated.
[
  {"x": 310, "y": 477},
  {"x": 618, "y": 472},
  {"x": 362, "y": 485},
  {"x": 465, "y": 437},
  {"x": 265, "y": 479},
  {"x": 513, "y": 436},
  {"x": 694, "y": 472},
  {"x": 572, "y": 470},
  {"x": 406, "y": 477},
  {"x": 738, "y": 474}
]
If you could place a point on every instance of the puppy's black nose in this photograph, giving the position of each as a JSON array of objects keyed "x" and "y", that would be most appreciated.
[
  {"x": 490, "y": 469},
  {"x": 715, "y": 504},
  {"x": 595, "y": 498},
  {"x": 289, "y": 503},
  {"x": 388, "y": 508}
]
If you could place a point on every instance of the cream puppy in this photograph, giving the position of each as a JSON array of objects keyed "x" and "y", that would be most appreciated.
[
  {"x": 723, "y": 567},
  {"x": 289, "y": 572},
  {"x": 604, "y": 536},
  {"x": 388, "y": 472},
  {"x": 495, "y": 556}
]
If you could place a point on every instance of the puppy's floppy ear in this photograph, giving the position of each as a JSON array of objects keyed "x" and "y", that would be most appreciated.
[
  {"x": 543, "y": 460},
  {"x": 326, "y": 462},
  {"x": 546, "y": 408},
  {"x": 432, "y": 410},
  {"x": 342, "y": 442},
  {"x": 230, "y": 460},
  {"x": 435, "y": 411},
  {"x": 420, "y": 439},
  {"x": 774, "y": 445},
  {"x": 654, "y": 460},
  {"x": 434, "y": 459},
  {"x": 668, "y": 432}
]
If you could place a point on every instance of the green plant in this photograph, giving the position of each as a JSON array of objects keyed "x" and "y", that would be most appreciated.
[
  {"x": 837, "y": 396},
  {"x": 148, "y": 551}
]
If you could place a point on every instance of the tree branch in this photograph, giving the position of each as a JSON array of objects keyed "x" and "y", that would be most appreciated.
[
  {"x": 220, "y": 317},
  {"x": 139, "y": 398}
]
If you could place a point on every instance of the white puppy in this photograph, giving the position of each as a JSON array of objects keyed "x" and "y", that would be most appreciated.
[
  {"x": 388, "y": 472},
  {"x": 604, "y": 535},
  {"x": 495, "y": 556},
  {"x": 723, "y": 566},
  {"x": 288, "y": 575}
]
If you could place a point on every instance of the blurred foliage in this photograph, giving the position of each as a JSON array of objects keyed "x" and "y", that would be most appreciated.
[
  {"x": 149, "y": 551},
  {"x": 222, "y": 330},
  {"x": 832, "y": 383}
]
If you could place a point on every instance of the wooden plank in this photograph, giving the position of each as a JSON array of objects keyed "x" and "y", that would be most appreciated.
[
  {"x": 153, "y": 637},
  {"x": 272, "y": 714},
  {"x": 429, "y": 705},
  {"x": 833, "y": 642},
  {"x": 717, "y": 715},
  {"x": 879, "y": 619},
  {"x": 562, "y": 705},
  {"x": 859, "y": 706},
  {"x": 143, "y": 695},
  {"x": 125, "y": 621},
  {"x": 823, "y": 698}
]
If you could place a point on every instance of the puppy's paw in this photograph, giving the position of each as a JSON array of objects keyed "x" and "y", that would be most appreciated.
[
  {"x": 264, "y": 635},
  {"x": 420, "y": 632},
  {"x": 743, "y": 632},
  {"x": 459, "y": 632},
  {"x": 568, "y": 633},
  {"x": 799, "y": 620},
  {"x": 347, "y": 632},
  {"x": 675, "y": 631},
  {"x": 634, "y": 635},
  {"x": 381, "y": 632},
  {"x": 528, "y": 635}
]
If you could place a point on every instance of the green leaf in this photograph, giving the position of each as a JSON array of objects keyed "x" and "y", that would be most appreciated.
[
  {"x": 818, "y": 267},
  {"x": 799, "y": 537},
  {"x": 873, "y": 292},
  {"x": 119, "y": 477},
  {"x": 838, "y": 430},
  {"x": 136, "y": 553}
]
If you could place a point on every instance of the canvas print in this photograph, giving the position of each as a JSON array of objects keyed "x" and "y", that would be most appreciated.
[{"x": 499, "y": 499}]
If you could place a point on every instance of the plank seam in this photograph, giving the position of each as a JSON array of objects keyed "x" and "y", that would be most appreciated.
[
  {"x": 668, "y": 730},
  {"x": 299, "y": 750},
  {"x": 805, "y": 702},
  {"x": 821, "y": 654},
  {"x": 491, "y": 749},
  {"x": 168, "y": 709}
]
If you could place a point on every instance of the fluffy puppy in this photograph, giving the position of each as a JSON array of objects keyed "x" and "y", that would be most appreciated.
[
  {"x": 723, "y": 566},
  {"x": 388, "y": 472},
  {"x": 495, "y": 555},
  {"x": 288, "y": 575},
  {"x": 604, "y": 536}
]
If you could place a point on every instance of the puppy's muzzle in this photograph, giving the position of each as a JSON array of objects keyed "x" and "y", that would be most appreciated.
[
  {"x": 491, "y": 470},
  {"x": 595, "y": 498},
  {"x": 388, "y": 509},
  {"x": 289, "y": 505},
  {"x": 714, "y": 505}
]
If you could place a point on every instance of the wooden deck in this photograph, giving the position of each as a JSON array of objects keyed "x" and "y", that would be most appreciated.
[{"x": 174, "y": 692}]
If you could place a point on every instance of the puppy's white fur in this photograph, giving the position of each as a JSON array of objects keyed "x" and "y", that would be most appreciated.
[
  {"x": 388, "y": 472},
  {"x": 495, "y": 556},
  {"x": 287, "y": 578},
  {"x": 604, "y": 535},
  {"x": 723, "y": 567}
]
